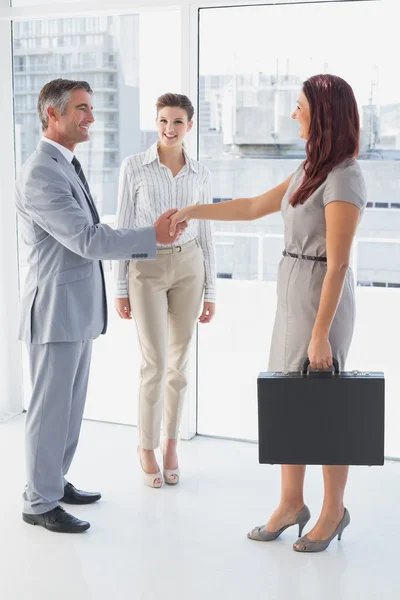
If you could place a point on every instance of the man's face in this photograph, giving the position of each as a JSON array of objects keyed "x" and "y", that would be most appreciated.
[{"x": 72, "y": 127}]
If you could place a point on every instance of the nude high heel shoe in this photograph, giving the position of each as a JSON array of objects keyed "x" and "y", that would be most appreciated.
[
  {"x": 171, "y": 476},
  {"x": 153, "y": 480},
  {"x": 307, "y": 545},
  {"x": 260, "y": 534}
]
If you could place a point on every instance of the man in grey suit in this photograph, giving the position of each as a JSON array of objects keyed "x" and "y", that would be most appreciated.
[{"x": 64, "y": 307}]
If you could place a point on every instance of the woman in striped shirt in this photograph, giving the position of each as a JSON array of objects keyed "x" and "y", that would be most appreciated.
[{"x": 164, "y": 296}]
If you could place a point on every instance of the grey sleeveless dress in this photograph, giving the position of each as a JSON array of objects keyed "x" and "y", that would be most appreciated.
[{"x": 300, "y": 281}]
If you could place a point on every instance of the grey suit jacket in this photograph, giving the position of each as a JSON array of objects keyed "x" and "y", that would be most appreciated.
[{"x": 64, "y": 298}]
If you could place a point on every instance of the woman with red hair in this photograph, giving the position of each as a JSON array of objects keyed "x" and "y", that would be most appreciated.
[{"x": 321, "y": 205}]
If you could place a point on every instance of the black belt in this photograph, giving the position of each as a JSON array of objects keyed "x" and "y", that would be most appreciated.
[{"x": 304, "y": 256}]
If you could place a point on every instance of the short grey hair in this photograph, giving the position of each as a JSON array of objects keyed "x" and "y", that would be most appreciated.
[{"x": 57, "y": 93}]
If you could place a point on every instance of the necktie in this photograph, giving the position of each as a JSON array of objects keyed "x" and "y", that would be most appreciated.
[{"x": 81, "y": 175}]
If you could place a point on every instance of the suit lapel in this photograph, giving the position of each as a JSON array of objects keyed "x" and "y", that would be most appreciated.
[{"x": 69, "y": 169}]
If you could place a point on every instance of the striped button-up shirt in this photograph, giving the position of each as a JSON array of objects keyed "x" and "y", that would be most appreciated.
[{"x": 147, "y": 189}]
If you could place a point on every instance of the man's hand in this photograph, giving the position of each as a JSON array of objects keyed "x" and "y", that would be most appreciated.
[
  {"x": 123, "y": 308},
  {"x": 208, "y": 312},
  {"x": 162, "y": 227}
]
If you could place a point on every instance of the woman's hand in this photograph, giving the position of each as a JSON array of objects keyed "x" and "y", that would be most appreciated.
[
  {"x": 180, "y": 216},
  {"x": 208, "y": 312},
  {"x": 123, "y": 308},
  {"x": 320, "y": 353}
]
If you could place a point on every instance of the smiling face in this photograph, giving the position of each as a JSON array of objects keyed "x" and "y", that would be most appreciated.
[
  {"x": 172, "y": 125},
  {"x": 302, "y": 114},
  {"x": 72, "y": 127}
]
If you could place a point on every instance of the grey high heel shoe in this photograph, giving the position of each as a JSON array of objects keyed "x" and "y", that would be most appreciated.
[
  {"x": 321, "y": 545},
  {"x": 260, "y": 534}
]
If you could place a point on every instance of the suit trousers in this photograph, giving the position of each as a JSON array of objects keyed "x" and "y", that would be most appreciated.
[
  {"x": 165, "y": 297},
  {"x": 59, "y": 374}
]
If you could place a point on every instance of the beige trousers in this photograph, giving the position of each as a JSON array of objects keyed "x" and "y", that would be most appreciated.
[{"x": 165, "y": 297}]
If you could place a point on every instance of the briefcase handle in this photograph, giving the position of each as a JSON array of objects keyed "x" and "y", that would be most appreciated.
[{"x": 306, "y": 364}]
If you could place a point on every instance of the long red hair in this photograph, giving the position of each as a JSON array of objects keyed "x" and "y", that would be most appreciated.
[{"x": 334, "y": 133}]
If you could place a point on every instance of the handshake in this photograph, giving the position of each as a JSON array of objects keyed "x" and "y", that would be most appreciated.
[{"x": 163, "y": 228}]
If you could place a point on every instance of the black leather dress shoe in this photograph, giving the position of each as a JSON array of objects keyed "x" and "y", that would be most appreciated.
[
  {"x": 57, "y": 520},
  {"x": 74, "y": 496}
]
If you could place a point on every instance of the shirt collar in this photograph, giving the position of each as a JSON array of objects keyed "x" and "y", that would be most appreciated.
[
  {"x": 64, "y": 151},
  {"x": 152, "y": 154}
]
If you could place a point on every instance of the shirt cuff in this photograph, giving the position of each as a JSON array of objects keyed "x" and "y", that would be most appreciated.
[
  {"x": 121, "y": 289},
  {"x": 210, "y": 294}
]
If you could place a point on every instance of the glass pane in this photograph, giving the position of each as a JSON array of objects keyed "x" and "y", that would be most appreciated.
[
  {"x": 16, "y": 3},
  {"x": 253, "y": 61},
  {"x": 115, "y": 54}
]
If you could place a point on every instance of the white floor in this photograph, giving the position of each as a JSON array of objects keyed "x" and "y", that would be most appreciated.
[{"x": 189, "y": 542}]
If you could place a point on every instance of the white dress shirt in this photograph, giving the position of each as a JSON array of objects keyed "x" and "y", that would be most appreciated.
[
  {"x": 147, "y": 189},
  {"x": 65, "y": 151}
]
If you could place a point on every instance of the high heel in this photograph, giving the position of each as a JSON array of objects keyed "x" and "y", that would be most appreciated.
[
  {"x": 150, "y": 479},
  {"x": 260, "y": 534},
  {"x": 171, "y": 476},
  {"x": 308, "y": 545}
]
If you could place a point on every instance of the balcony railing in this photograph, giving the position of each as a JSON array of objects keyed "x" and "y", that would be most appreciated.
[{"x": 260, "y": 237}]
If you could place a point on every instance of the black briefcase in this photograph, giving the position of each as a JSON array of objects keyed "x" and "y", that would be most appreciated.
[{"x": 321, "y": 417}]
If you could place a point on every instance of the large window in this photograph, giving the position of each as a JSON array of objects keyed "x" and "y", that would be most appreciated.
[
  {"x": 253, "y": 61},
  {"x": 28, "y": 3},
  {"x": 127, "y": 76}
]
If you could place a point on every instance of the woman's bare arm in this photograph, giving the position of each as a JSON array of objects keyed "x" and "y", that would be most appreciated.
[
  {"x": 341, "y": 223},
  {"x": 240, "y": 209}
]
